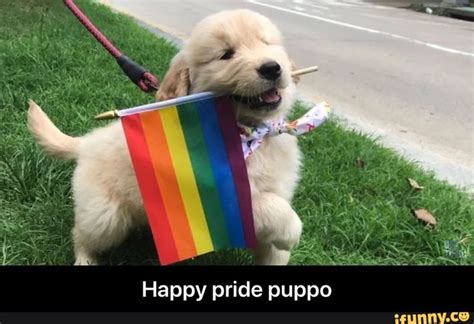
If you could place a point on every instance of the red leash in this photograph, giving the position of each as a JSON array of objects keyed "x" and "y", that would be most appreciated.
[{"x": 145, "y": 80}]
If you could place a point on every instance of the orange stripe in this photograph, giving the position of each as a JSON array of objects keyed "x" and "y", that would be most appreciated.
[{"x": 166, "y": 177}]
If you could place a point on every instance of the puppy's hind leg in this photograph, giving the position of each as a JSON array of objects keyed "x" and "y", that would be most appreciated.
[{"x": 97, "y": 230}]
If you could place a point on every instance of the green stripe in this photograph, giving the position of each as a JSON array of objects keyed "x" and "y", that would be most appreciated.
[{"x": 208, "y": 191}]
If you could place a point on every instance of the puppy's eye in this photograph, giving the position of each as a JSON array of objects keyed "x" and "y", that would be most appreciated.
[{"x": 228, "y": 54}]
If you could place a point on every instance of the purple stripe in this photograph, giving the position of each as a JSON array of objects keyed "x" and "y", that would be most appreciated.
[{"x": 231, "y": 135}]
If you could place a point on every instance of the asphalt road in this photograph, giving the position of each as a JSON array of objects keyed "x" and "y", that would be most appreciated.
[{"x": 403, "y": 76}]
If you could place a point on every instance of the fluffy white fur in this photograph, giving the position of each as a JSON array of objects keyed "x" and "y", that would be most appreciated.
[{"x": 107, "y": 199}]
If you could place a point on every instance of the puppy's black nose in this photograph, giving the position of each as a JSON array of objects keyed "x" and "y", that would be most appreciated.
[{"x": 270, "y": 70}]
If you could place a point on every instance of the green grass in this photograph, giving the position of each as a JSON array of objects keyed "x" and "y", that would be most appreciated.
[{"x": 351, "y": 215}]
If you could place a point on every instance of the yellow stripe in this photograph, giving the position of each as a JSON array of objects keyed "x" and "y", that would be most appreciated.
[{"x": 186, "y": 180}]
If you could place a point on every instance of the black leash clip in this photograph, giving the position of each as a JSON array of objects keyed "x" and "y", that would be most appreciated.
[{"x": 146, "y": 81}]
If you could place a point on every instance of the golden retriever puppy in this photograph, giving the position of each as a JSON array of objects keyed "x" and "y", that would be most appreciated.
[{"x": 237, "y": 53}]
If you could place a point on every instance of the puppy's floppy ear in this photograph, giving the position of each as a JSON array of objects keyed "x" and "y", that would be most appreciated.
[
  {"x": 296, "y": 79},
  {"x": 176, "y": 82}
]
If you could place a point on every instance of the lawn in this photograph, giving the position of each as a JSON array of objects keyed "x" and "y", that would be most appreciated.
[{"x": 353, "y": 213}]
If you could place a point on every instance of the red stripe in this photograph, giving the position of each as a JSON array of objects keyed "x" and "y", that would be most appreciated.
[
  {"x": 231, "y": 136},
  {"x": 151, "y": 195}
]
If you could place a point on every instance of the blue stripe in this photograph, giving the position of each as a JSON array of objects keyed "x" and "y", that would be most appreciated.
[{"x": 221, "y": 169}]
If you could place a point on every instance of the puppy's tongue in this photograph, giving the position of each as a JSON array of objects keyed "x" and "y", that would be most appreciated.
[{"x": 270, "y": 96}]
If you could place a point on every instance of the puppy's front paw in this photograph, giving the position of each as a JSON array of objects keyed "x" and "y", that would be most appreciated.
[
  {"x": 276, "y": 222},
  {"x": 290, "y": 235}
]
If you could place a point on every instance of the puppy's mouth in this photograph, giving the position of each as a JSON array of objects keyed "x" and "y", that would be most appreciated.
[{"x": 267, "y": 100}]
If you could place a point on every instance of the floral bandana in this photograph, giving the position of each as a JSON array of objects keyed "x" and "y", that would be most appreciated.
[{"x": 252, "y": 137}]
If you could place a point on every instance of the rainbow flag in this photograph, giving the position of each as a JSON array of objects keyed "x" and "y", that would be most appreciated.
[{"x": 188, "y": 160}]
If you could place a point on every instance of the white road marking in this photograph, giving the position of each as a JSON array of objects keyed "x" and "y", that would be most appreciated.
[
  {"x": 303, "y": 2},
  {"x": 370, "y": 30},
  {"x": 427, "y": 22},
  {"x": 336, "y": 3},
  {"x": 298, "y": 8},
  {"x": 383, "y": 7},
  {"x": 316, "y": 6}
]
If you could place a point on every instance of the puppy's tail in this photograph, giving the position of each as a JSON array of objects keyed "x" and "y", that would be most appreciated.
[{"x": 48, "y": 136}]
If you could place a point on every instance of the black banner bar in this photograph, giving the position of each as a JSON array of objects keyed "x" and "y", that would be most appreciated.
[
  {"x": 183, "y": 317},
  {"x": 226, "y": 288}
]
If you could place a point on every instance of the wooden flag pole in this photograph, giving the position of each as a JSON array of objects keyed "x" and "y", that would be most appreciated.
[
  {"x": 307, "y": 70},
  {"x": 111, "y": 114}
]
